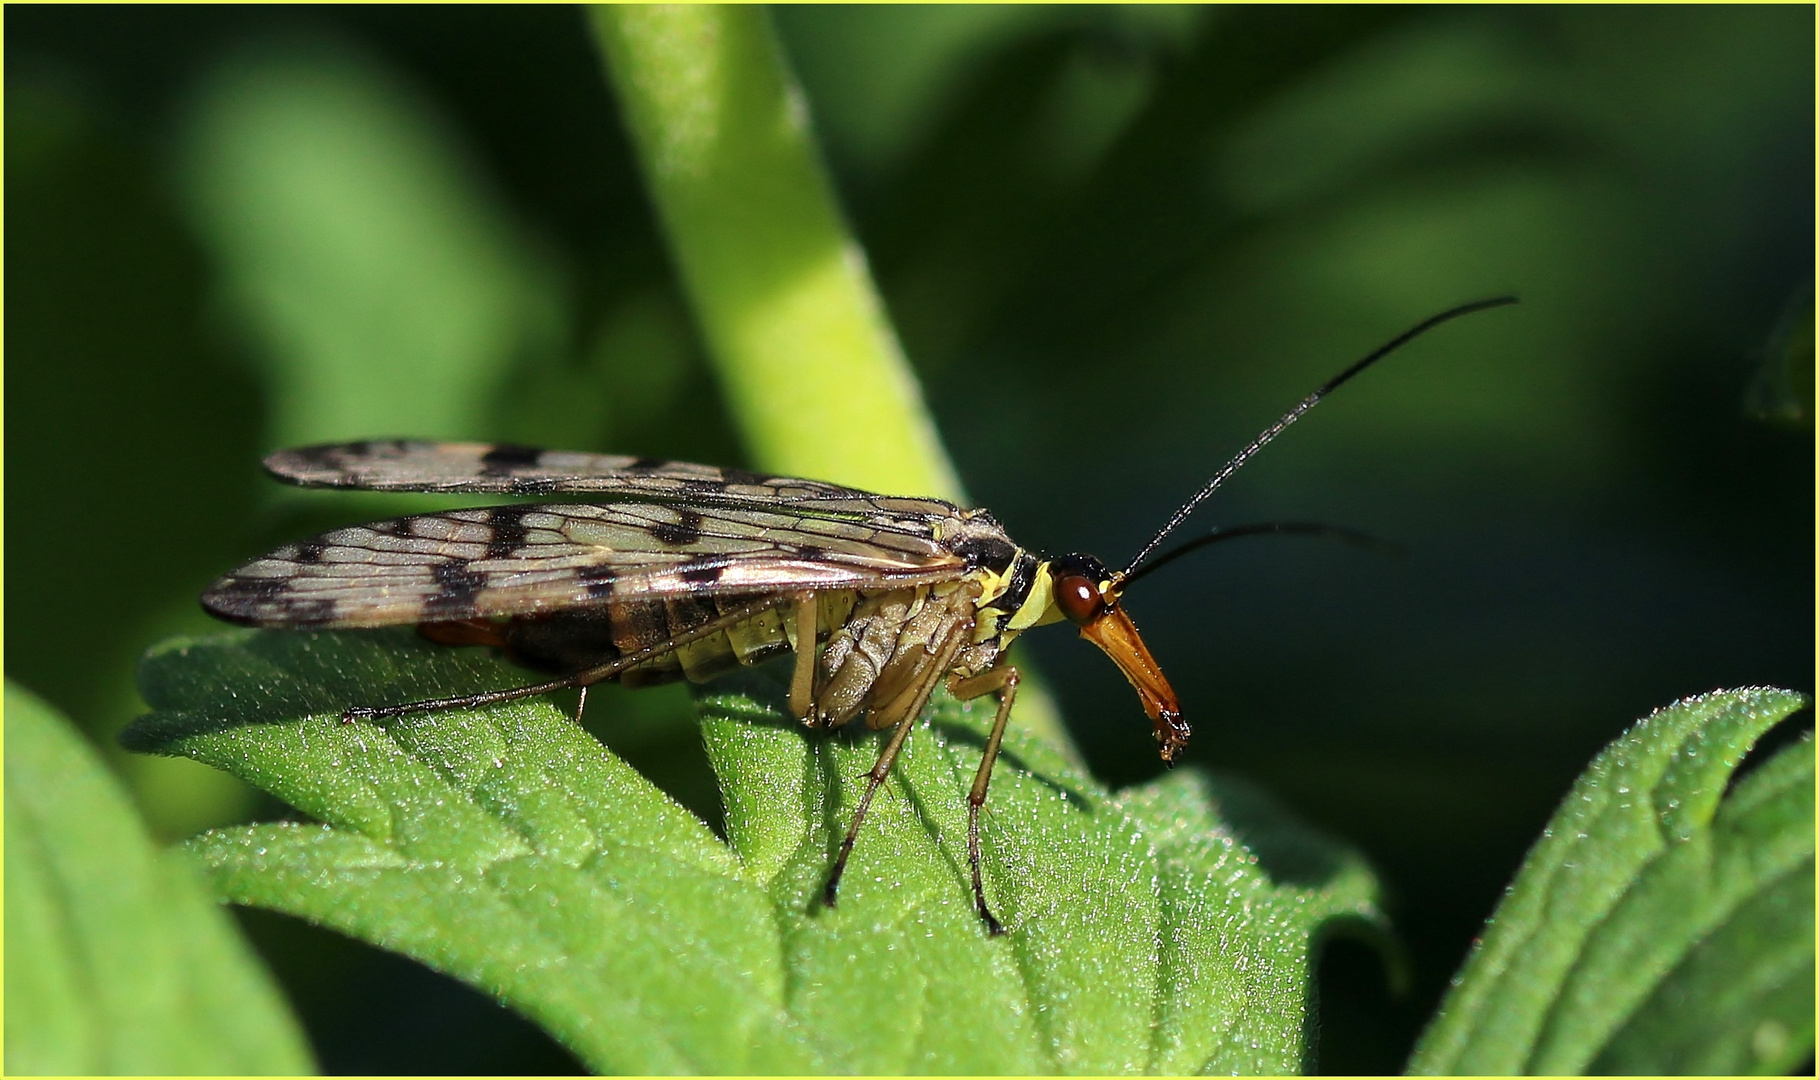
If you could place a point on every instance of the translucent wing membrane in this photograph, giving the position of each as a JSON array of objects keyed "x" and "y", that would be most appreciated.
[
  {"x": 503, "y": 469},
  {"x": 526, "y": 560}
]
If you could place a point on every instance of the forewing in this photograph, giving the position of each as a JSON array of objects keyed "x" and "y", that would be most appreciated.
[
  {"x": 525, "y": 560},
  {"x": 503, "y": 469}
]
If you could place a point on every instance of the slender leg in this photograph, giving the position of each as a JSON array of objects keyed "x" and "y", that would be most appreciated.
[
  {"x": 872, "y": 779},
  {"x": 802, "y": 680},
  {"x": 1004, "y": 680},
  {"x": 937, "y": 661},
  {"x": 581, "y": 678},
  {"x": 581, "y": 705}
]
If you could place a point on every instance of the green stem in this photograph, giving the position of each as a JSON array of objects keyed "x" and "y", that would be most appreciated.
[
  {"x": 780, "y": 288},
  {"x": 793, "y": 322}
]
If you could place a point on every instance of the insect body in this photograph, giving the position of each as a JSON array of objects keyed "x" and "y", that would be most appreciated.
[{"x": 686, "y": 571}]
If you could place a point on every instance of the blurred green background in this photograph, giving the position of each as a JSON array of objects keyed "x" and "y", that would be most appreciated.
[{"x": 1116, "y": 243}]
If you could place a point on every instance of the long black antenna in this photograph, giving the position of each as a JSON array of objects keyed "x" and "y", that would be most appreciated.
[
  {"x": 1221, "y": 534},
  {"x": 1294, "y": 414}
]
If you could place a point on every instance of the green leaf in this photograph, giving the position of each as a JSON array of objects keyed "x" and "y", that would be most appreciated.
[
  {"x": 1740, "y": 1000},
  {"x": 1650, "y": 906},
  {"x": 116, "y": 961},
  {"x": 1167, "y": 928}
]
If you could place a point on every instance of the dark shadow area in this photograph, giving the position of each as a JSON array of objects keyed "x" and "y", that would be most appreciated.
[
  {"x": 1288, "y": 849},
  {"x": 370, "y": 1012},
  {"x": 1360, "y": 1019},
  {"x": 1778, "y": 738}
]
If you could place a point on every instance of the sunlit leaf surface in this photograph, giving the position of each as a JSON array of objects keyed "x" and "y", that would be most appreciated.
[{"x": 1166, "y": 928}]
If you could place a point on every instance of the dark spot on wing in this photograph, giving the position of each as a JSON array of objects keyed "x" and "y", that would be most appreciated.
[
  {"x": 704, "y": 573},
  {"x": 308, "y": 553},
  {"x": 270, "y": 588},
  {"x": 504, "y": 457},
  {"x": 646, "y": 464},
  {"x": 597, "y": 580},
  {"x": 811, "y": 552},
  {"x": 682, "y": 532},
  {"x": 307, "y": 613},
  {"x": 231, "y": 595},
  {"x": 457, "y": 586},
  {"x": 536, "y": 485},
  {"x": 323, "y": 455},
  {"x": 509, "y": 531},
  {"x": 264, "y": 602}
]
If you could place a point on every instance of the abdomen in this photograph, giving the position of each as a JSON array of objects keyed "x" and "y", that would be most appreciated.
[{"x": 572, "y": 641}]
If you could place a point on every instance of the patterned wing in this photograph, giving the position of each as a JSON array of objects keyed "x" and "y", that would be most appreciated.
[
  {"x": 525, "y": 560},
  {"x": 496, "y": 468}
]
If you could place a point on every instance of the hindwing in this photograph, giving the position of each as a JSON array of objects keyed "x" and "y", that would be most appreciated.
[{"x": 503, "y": 469}]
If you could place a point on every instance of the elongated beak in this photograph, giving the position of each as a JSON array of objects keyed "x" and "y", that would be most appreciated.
[{"x": 1118, "y": 637}]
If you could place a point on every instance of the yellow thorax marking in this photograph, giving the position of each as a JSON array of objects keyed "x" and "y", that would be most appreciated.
[{"x": 1039, "y": 606}]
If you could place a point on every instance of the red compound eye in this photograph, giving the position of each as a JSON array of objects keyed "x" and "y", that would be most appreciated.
[{"x": 1078, "y": 598}]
